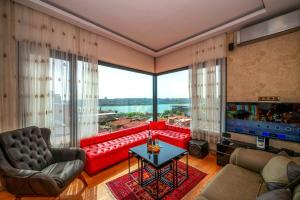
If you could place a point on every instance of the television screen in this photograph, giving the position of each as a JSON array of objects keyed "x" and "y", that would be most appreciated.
[{"x": 272, "y": 120}]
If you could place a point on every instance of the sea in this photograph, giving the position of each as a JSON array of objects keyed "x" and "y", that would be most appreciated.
[{"x": 141, "y": 108}]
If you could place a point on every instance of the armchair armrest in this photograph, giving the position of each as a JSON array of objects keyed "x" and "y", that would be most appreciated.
[
  {"x": 67, "y": 154},
  {"x": 17, "y": 173},
  {"x": 28, "y": 182},
  {"x": 250, "y": 159}
]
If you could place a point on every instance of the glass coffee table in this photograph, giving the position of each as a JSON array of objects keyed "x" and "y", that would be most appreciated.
[{"x": 158, "y": 166}]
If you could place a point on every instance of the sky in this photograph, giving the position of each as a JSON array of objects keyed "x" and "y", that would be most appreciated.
[
  {"x": 116, "y": 83},
  {"x": 173, "y": 85}
]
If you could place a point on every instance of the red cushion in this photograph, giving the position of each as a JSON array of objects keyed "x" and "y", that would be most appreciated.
[
  {"x": 106, "y": 136},
  {"x": 160, "y": 125},
  {"x": 99, "y": 150},
  {"x": 102, "y": 155},
  {"x": 178, "y": 129},
  {"x": 173, "y": 137}
]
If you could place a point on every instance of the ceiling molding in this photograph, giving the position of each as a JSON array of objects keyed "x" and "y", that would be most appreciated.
[
  {"x": 96, "y": 24},
  {"x": 65, "y": 15},
  {"x": 212, "y": 32}
]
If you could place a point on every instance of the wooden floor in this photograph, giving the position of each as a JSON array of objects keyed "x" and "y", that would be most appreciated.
[{"x": 97, "y": 189}]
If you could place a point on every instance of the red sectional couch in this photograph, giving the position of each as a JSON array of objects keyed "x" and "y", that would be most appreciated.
[{"x": 106, "y": 149}]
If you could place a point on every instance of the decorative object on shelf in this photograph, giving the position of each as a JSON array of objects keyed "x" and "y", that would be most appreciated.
[
  {"x": 262, "y": 142},
  {"x": 226, "y": 137},
  {"x": 269, "y": 98},
  {"x": 198, "y": 148}
]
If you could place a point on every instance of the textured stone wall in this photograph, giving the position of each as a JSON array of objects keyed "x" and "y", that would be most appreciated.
[{"x": 267, "y": 68}]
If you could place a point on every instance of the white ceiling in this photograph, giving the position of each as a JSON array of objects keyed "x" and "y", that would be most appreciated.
[{"x": 159, "y": 26}]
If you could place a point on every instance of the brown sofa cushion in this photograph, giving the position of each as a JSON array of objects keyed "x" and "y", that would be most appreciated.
[
  {"x": 233, "y": 183},
  {"x": 250, "y": 159}
]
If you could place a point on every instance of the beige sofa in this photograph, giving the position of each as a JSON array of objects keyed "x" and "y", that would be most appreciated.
[{"x": 241, "y": 179}]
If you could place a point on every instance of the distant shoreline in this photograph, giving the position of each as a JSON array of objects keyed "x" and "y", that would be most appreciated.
[
  {"x": 140, "y": 101},
  {"x": 140, "y": 108}
]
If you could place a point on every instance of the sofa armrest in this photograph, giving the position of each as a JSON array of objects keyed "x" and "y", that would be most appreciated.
[
  {"x": 200, "y": 197},
  {"x": 178, "y": 129},
  {"x": 250, "y": 159},
  {"x": 67, "y": 154}
]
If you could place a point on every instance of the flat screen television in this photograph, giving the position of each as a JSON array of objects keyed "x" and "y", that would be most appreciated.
[{"x": 271, "y": 120}]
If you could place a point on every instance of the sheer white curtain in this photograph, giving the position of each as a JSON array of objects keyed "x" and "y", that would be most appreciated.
[
  {"x": 58, "y": 76},
  {"x": 87, "y": 86},
  {"x": 207, "y": 90},
  {"x": 87, "y": 95},
  {"x": 35, "y": 97},
  {"x": 60, "y": 71},
  {"x": 44, "y": 90}
]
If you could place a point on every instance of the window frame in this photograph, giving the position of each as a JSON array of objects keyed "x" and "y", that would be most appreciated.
[
  {"x": 154, "y": 79},
  {"x": 154, "y": 82},
  {"x": 155, "y": 113}
]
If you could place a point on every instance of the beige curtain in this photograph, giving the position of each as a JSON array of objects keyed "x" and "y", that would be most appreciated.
[
  {"x": 9, "y": 118},
  {"x": 207, "y": 77}
]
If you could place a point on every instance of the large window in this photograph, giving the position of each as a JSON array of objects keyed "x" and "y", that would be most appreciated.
[
  {"x": 173, "y": 103},
  {"x": 125, "y": 98},
  {"x": 60, "y": 88}
]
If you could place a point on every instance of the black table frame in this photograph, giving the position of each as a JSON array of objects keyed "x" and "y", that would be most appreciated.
[{"x": 158, "y": 173}]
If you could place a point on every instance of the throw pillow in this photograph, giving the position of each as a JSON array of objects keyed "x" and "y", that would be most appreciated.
[
  {"x": 294, "y": 183},
  {"x": 296, "y": 193},
  {"x": 283, "y": 153},
  {"x": 280, "y": 194},
  {"x": 279, "y": 172},
  {"x": 159, "y": 125}
]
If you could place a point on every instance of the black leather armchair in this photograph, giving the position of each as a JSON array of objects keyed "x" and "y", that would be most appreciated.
[{"x": 30, "y": 167}]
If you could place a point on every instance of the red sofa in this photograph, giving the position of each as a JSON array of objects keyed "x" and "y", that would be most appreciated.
[{"x": 107, "y": 149}]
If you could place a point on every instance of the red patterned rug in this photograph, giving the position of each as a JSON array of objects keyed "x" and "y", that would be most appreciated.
[{"x": 125, "y": 188}]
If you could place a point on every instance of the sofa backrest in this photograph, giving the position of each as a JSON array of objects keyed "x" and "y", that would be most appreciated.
[
  {"x": 102, "y": 137},
  {"x": 178, "y": 129},
  {"x": 26, "y": 148}
]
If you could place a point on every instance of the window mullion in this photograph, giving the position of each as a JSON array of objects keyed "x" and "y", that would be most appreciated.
[{"x": 73, "y": 98}]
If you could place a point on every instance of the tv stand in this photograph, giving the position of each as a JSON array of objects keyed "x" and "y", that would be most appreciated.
[{"x": 226, "y": 147}]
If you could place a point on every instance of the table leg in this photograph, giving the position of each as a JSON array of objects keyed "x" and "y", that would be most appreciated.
[
  {"x": 157, "y": 188},
  {"x": 187, "y": 165},
  {"x": 173, "y": 173},
  {"x": 129, "y": 163},
  {"x": 142, "y": 172},
  {"x": 139, "y": 171},
  {"x": 176, "y": 168}
]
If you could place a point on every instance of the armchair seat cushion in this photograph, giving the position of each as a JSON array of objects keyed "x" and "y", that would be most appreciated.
[{"x": 64, "y": 172}]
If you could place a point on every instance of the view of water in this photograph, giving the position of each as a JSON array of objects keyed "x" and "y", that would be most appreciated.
[{"x": 141, "y": 108}]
